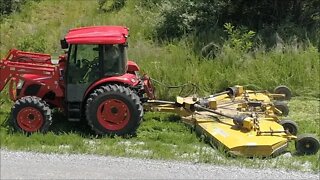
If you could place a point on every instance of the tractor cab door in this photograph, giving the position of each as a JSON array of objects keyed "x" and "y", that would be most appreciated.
[{"x": 83, "y": 69}]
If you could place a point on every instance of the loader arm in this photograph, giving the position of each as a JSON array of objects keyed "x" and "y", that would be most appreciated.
[{"x": 10, "y": 70}]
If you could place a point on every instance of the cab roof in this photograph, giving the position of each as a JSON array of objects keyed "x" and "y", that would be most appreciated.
[{"x": 98, "y": 35}]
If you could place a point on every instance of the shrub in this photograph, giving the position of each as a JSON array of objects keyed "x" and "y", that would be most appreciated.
[
  {"x": 35, "y": 43},
  {"x": 240, "y": 39},
  {"x": 9, "y": 6}
]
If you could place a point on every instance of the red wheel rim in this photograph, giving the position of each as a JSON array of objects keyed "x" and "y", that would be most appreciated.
[
  {"x": 30, "y": 119},
  {"x": 113, "y": 114}
]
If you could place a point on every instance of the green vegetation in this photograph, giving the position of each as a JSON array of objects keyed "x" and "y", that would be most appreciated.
[
  {"x": 238, "y": 60},
  {"x": 160, "y": 136},
  {"x": 220, "y": 56}
]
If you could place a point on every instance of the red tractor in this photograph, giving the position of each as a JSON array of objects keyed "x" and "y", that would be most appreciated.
[{"x": 93, "y": 80}]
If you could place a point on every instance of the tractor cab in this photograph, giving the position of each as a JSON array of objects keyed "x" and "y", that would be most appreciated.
[
  {"x": 95, "y": 52},
  {"x": 90, "y": 62},
  {"x": 96, "y": 56}
]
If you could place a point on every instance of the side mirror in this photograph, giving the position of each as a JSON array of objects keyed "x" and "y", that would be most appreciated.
[{"x": 64, "y": 44}]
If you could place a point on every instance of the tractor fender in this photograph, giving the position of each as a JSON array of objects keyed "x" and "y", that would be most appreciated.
[
  {"x": 132, "y": 66},
  {"x": 127, "y": 79}
]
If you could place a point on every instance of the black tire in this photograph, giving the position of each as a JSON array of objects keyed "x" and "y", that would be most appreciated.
[
  {"x": 31, "y": 114},
  {"x": 118, "y": 96},
  {"x": 283, "y": 107},
  {"x": 307, "y": 144},
  {"x": 290, "y": 126},
  {"x": 283, "y": 90}
]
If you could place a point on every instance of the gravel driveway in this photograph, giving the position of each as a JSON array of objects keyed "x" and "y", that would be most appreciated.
[{"x": 29, "y": 165}]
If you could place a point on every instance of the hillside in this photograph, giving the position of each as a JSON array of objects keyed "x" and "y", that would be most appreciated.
[{"x": 40, "y": 25}]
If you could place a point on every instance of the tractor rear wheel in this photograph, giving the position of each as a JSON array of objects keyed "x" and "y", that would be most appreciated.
[
  {"x": 307, "y": 144},
  {"x": 114, "y": 110},
  {"x": 31, "y": 114}
]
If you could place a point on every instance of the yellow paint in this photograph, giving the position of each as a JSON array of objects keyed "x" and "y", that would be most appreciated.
[
  {"x": 213, "y": 104},
  {"x": 240, "y": 141}
]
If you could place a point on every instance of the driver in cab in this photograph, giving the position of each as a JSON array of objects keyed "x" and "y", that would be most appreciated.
[{"x": 111, "y": 59}]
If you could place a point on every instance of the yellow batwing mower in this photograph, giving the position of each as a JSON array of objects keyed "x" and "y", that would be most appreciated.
[
  {"x": 239, "y": 133},
  {"x": 263, "y": 102}
]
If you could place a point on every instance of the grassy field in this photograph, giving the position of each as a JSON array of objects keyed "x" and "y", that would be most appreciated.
[
  {"x": 160, "y": 136},
  {"x": 40, "y": 26}
]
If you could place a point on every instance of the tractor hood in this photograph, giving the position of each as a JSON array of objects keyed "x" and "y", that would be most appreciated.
[{"x": 98, "y": 35}]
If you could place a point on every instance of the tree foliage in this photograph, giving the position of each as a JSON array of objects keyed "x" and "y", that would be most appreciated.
[
  {"x": 184, "y": 16},
  {"x": 239, "y": 39},
  {"x": 115, "y": 5},
  {"x": 9, "y": 6}
]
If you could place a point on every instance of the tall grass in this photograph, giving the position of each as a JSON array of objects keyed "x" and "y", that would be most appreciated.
[
  {"x": 39, "y": 27},
  {"x": 175, "y": 64}
]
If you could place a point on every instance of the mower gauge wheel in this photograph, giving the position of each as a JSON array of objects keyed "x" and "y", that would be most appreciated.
[
  {"x": 283, "y": 90},
  {"x": 283, "y": 107},
  {"x": 290, "y": 126},
  {"x": 307, "y": 144}
]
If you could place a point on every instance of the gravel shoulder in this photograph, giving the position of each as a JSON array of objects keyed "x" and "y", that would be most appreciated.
[{"x": 31, "y": 165}]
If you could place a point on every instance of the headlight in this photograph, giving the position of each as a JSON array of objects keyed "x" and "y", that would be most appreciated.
[{"x": 20, "y": 84}]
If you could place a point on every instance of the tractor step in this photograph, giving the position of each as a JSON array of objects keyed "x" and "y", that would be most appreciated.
[
  {"x": 74, "y": 112},
  {"x": 74, "y": 119}
]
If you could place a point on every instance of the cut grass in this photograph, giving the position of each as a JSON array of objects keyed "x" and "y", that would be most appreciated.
[{"x": 160, "y": 136}]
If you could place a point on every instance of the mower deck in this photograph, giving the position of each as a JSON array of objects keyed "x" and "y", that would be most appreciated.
[
  {"x": 245, "y": 123},
  {"x": 238, "y": 141}
]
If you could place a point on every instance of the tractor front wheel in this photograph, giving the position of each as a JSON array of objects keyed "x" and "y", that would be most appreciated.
[
  {"x": 307, "y": 144},
  {"x": 114, "y": 110},
  {"x": 31, "y": 114}
]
